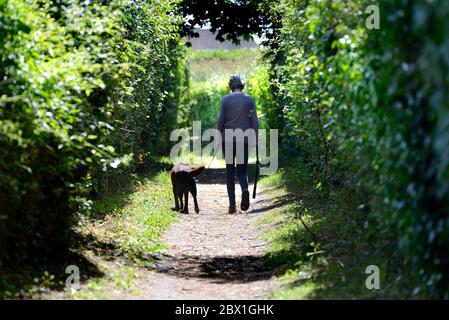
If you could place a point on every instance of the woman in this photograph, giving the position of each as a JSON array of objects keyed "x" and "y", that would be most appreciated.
[{"x": 237, "y": 111}]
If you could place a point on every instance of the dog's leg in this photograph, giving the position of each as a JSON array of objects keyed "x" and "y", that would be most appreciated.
[
  {"x": 179, "y": 194},
  {"x": 186, "y": 201},
  {"x": 175, "y": 190},
  {"x": 175, "y": 194},
  {"x": 193, "y": 192}
]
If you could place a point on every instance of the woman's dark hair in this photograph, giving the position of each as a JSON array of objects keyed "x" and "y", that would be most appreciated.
[{"x": 235, "y": 82}]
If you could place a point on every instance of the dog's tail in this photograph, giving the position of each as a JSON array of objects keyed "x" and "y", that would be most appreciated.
[{"x": 196, "y": 171}]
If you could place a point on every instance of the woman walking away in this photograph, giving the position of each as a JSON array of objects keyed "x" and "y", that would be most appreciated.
[{"x": 237, "y": 111}]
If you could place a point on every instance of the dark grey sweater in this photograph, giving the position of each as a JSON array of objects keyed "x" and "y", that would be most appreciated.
[{"x": 237, "y": 111}]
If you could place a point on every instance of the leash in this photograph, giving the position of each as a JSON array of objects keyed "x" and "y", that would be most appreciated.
[
  {"x": 208, "y": 167},
  {"x": 257, "y": 171}
]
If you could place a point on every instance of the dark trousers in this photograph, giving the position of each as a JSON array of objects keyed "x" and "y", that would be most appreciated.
[{"x": 242, "y": 164}]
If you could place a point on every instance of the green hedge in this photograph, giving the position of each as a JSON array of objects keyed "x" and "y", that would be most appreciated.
[
  {"x": 367, "y": 111},
  {"x": 85, "y": 87},
  {"x": 412, "y": 137}
]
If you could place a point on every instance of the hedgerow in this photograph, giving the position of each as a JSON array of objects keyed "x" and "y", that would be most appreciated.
[
  {"x": 86, "y": 88},
  {"x": 365, "y": 111}
]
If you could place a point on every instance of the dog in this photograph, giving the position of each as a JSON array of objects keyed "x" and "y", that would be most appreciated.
[{"x": 183, "y": 182}]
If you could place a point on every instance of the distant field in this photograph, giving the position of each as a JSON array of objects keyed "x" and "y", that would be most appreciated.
[
  {"x": 215, "y": 64},
  {"x": 210, "y": 70}
]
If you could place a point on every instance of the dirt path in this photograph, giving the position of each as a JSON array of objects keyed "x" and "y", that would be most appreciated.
[{"x": 212, "y": 255}]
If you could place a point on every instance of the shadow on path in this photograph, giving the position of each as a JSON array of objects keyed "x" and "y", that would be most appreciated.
[
  {"x": 218, "y": 175},
  {"x": 218, "y": 269},
  {"x": 215, "y": 229}
]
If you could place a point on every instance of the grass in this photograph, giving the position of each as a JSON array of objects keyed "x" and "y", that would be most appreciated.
[
  {"x": 222, "y": 54},
  {"x": 136, "y": 227},
  {"x": 127, "y": 237},
  {"x": 322, "y": 256},
  {"x": 122, "y": 234},
  {"x": 218, "y": 64},
  {"x": 119, "y": 279}
]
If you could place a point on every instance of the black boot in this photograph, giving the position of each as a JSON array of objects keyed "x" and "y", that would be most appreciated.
[{"x": 245, "y": 200}]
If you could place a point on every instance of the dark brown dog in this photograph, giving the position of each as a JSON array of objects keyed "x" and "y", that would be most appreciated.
[{"x": 183, "y": 183}]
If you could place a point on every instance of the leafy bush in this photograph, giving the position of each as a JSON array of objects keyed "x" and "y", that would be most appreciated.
[
  {"x": 84, "y": 85},
  {"x": 412, "y": 136},
  {"x": 365, "y": 110},
  {"x": 203, "y": 102},
  {"x": 146, "y": 103}
]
